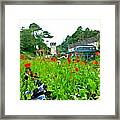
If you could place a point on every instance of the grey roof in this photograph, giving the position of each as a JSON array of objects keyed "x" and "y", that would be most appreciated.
[{"x": 84, "y": 42}]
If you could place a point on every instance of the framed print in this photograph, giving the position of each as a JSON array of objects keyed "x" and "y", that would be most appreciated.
[{"x": 60, "y": 59}]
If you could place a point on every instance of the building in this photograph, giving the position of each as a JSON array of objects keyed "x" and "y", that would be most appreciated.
[
  {"x": 89, "y": 41},
  {"x": 53, "y": 48}
]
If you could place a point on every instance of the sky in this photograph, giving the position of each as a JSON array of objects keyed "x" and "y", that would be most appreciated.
[
  {"x": 59, "y": 20},
  {"x": 61, "y": 28}
]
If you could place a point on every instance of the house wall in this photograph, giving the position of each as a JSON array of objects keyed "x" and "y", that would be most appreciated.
[
  {"x": 71, "y": 49},
  {"x": 53, "y": 50},
  {"x": 96, "y": 44}
]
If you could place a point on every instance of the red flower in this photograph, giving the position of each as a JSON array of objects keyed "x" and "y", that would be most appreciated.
[
  {"x": 69, "y": 61},
  {"x": 97, "y": 53},
  {"x": 53, "y": 59},
  {"x": 70, "y": 54},
  {"x": 27, "y": 65},
  {"x": 77, "y": 60},
  {"x": 76, "y": 69}
]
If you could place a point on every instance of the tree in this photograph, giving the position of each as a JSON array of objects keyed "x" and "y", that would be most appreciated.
[
  {"x": 34, "y": 27},
  {"x": 46, "y": 34},
  {"x": 80, "y": 35},
  {"x": 26, "y": 40},
  {"x": 33, "y": 36}
]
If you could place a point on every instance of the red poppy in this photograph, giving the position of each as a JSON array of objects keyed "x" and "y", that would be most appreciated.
[
  {"x": 27, "y": 65},
  {"x": 53, "y": 59},
  {"x": 77, "y": 60},
  {"x": 68, "y": 59},
  {"x": 76, "y": 69},
  {"x": 70, "y": 54},
  {"x": 95, "y": 62},
  {"x": 97, "y": 53}
]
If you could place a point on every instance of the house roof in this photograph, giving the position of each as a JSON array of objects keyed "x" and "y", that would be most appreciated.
[{"x": 84, "y": 42}]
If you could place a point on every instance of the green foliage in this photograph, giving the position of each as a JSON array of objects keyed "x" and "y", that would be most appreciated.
[
  {"x": 27, "y": 41},
  {"x": 79, "y": 35},
  {"x": 31, "y": 37},
  {"x": 34, "y": 27},
  {"x": 64, "y": 82}
]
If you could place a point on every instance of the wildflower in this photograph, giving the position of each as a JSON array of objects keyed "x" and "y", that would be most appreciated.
[
  {"x": 77, "y": 60},
  {"x": 95, "y": 62},
  {"x": 70, "y": 54},
  {"x": 76, "y": 69},
  {"x": 68, "y": 59},
  {"x": 53, "y": 59},
  {"x": 27, "y": 65},
  {"x": 97, "y": 53}
]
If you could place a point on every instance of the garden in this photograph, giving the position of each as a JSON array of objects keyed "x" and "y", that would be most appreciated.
[
  {"x": 46, "y": 76},
  {"x": 66, "y": 79}
]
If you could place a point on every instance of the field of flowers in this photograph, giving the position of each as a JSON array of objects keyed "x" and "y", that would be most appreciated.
[{"x": 67, "y": 78}]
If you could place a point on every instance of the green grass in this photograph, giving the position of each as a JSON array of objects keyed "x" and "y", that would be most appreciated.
[{"x": 64, "y": 82}]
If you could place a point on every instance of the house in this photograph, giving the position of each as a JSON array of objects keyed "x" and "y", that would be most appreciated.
[
  {"x": 53, "y": 48},
  {"x": 89, "y": 41}
]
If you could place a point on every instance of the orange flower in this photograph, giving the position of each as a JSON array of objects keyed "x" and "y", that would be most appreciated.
[
  {"x": 53, "y": 59},
  {"x": 68, "y": 59},
  {"x": 95, "y": 62},
  {"x": 27, "y": 65},
  {"x": 76, "y": 61},
  {"x": 76, "y": 69}
]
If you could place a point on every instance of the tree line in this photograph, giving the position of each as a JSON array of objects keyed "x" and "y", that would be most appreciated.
[
  {"x": 79, "y": 35},
  {"x": 35, "y": 36}
]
